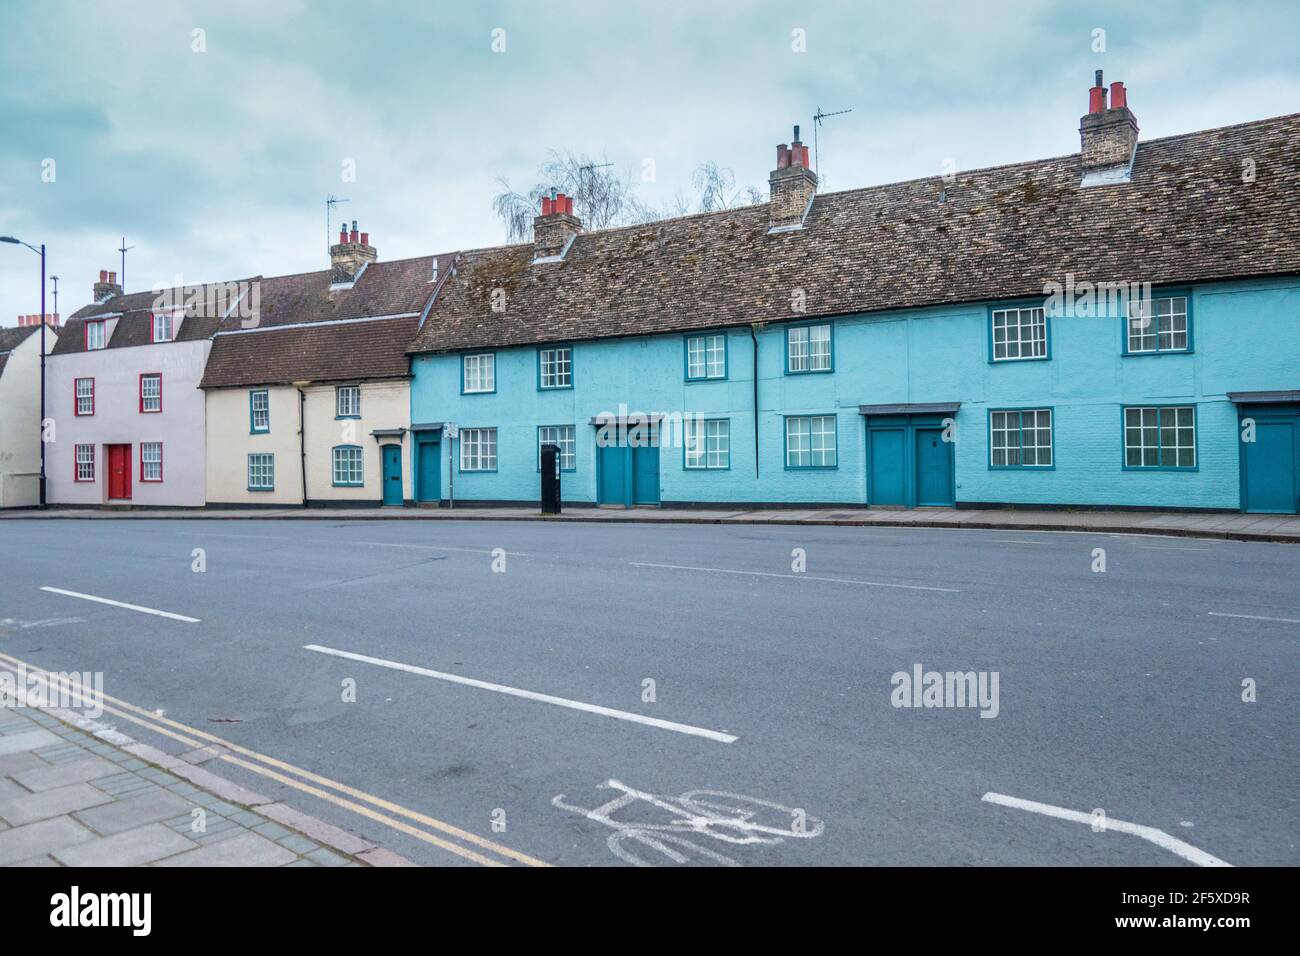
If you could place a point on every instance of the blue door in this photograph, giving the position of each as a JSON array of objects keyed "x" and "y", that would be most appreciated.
[
  {"x": 645, "y": 472},
  {"x": 933, "y": 468},
  {"x": 428, "y": 471},
  {"x": 392, "y": 474},
  {"x": 887, "y": 483},
  {"x": 614, "y": 481},
  {"x": 1269, "y": 468}
]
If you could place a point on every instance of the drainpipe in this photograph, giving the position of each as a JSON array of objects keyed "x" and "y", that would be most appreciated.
[
  {"x": 754, "y": 329},
  {"x": 302, "y": 436}
]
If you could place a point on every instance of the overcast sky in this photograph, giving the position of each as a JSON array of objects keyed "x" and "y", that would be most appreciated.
[{"x": 215, "y": 165}]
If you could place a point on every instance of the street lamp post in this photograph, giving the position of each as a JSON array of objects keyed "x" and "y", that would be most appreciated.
[{"x": 40, "y": 425}]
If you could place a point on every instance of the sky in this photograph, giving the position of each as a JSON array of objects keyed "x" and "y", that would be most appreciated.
[{"x": 209, "y": 134}]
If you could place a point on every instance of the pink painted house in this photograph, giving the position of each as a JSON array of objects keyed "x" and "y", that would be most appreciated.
[{"x": 122, "y": 388}]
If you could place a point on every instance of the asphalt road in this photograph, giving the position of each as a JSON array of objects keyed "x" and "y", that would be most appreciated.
[{"x": 1119, "y": 690}]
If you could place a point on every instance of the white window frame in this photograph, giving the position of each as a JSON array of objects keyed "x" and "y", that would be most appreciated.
[
  {"x": 1159, "y": 331},
  {"x": 98, "y": 341},
  {"x": 563, "y": 435},
  {"x": 147, "y": 400},
  {"x": 265, "y": 410},
  {"x": 483, "y": 375},
  {"x": 147, "y": 460},
  {"x": 1152, "y": 418},
  {"x": 1019, "y": 340},
  {"x": 808, "y": 348},
  {"x": 796, "y": 451},
  {"x": 555, "y": 367},
  {"x": 88, "y": 396},
  {"x": 351, "y": 466},
  {"x": 168, "y": 323},
  {"x": 478, "y": 449},
  {"x": 706, "y": 356},
  {"x": 708, "y": 443},
  {"x": 261, "y": 465},
  {"x": 1008, "y": 431},
  {"x": 84, "y": 456},
  {"x": 347, "y": 401}
]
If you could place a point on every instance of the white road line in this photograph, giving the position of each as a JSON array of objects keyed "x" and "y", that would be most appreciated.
[
  {"x": 1156, "y": 547},
  {"x": 1013, "y": 541},
  {"x": 437, "y": 547},
  {"x": 1257, "y": 617},
  {"x": 1159, "y": 837},
  {"x": 805, "y": 577},
  {"x": 529, "y": 695},
  {"x": 129, "y": 607}
]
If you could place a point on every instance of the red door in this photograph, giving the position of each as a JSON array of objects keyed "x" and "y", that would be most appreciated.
[{"x": 119, "y": 471}]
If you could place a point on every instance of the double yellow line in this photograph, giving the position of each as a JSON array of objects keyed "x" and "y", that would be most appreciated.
[{"x": 479, "y": 850}]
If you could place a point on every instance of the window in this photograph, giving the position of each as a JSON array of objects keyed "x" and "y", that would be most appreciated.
[
  {"x": 261, "y": 472},
  {"x": 162, "y": 327},
  {"x": 1020, "y": 438},
  {"x": 561, "y": 435},
  {"x": 347, "y": 466},
  {"x": 347, "y": 401},
  {"x": 1158, "y": 325},
  {"x": 85, "y": 456},
  {"x": 554, "y": 367},
  {"x": 808, "y": 348},
  {"x": 85, "y": 396},
  {"x": 259, "y": 411},
  {"x": 478, "y": 449},
  {"x": 1019, "y": 334},
  {"x": 810, "y": 442},
  {"x": 706, "y": 356},
  {"x": 94, "y": 336},
  {"x": 708, "y": 443},
  {"x": 478, "y": 373},
  {"x": 1160, "y": 437},
  {"x": 151, "y": 392},
  {"x": 151, "y": 461}
]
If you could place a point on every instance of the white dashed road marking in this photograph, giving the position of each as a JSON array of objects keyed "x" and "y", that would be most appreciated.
[
  {"x": 1256, "y": 617},
  {"x": 1159, "y": 837},
  {"x": 530, "y": 695},
  {"x": 129, "y": 607},
  {"x": 797, "y": 577}
]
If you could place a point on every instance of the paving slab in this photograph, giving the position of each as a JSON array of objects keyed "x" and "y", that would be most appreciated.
[
  {"x": 147, "y": 807},
  {"x": 51, "y": 803},
  {"x": 60, "y": 775},
  {"x": 247, "y": 849},
  {"x": 129, "y": 848},
  {"x": 35, "y": 839},
  {"x": 27, "y": 741}
]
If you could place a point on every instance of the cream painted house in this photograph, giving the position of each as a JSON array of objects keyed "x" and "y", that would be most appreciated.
[
  {"x": 310, "y": 405},
  {"x": 20, "y": 414}
]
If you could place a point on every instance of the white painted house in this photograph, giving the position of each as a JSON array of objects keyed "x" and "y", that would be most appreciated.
[{"x": 20, "y": 414}]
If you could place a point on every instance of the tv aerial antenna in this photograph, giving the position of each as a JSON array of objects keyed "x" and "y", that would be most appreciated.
[
  {"x": 124, "y": 249},
  {"x": 330, "y": 202},
  {"x": 818, "y": 118}
]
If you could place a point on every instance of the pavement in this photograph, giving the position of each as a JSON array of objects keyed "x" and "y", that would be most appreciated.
[
  {"x": 609, "y": 692},
  {"x": 75, "y": 793},
  {"x": 1226, "y": 525}
]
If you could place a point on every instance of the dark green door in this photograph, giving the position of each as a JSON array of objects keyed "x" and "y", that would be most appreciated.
[
  {"x": 614, "y": 481},
  {"x": 1269, "y": 468},
  {"x": 392, "y": 474},
  {"x": 428, "y": 471},
  {"x": 888, "y": 476},
  {"x": 933, "y": 468},
  {"x": 645, "y": 475}
]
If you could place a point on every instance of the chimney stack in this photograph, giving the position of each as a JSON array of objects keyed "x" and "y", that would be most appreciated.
[
  {"x": 1108, "y": 135},
  {"x": 557, "y": 224},
  {"x": 107, "y": 287},
  {"x": 25, "y": 321},
  {"x": 793, "y": 185},
  {"x": 353, "y": 252}
]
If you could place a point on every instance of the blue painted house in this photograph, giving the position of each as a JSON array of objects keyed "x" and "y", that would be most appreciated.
[{"x": 1116, "y": 327}]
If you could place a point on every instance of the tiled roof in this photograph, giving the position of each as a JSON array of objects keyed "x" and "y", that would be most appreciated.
[
  {"x": 344, "y": 342},
  {"x": 345, "y": 351},
  {"x": 134, "y": 312},
  {"x": 999, "y": 233},
  {"x": 10, "y": 339}
]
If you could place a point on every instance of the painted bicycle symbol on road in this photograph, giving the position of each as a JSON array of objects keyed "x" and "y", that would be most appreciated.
[{"x": 693, "y": 818}]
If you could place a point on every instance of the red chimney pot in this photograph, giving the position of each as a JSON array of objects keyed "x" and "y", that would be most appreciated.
[
  {"x": 343, "y": 235},
  {"x": 1118, "y": 96},
  {"x": 103, "y": 275},
  {"x": 365, "y": 238}
]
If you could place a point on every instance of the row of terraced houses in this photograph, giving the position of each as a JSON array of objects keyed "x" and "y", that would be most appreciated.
[{"x": 1117, "y": 327}]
